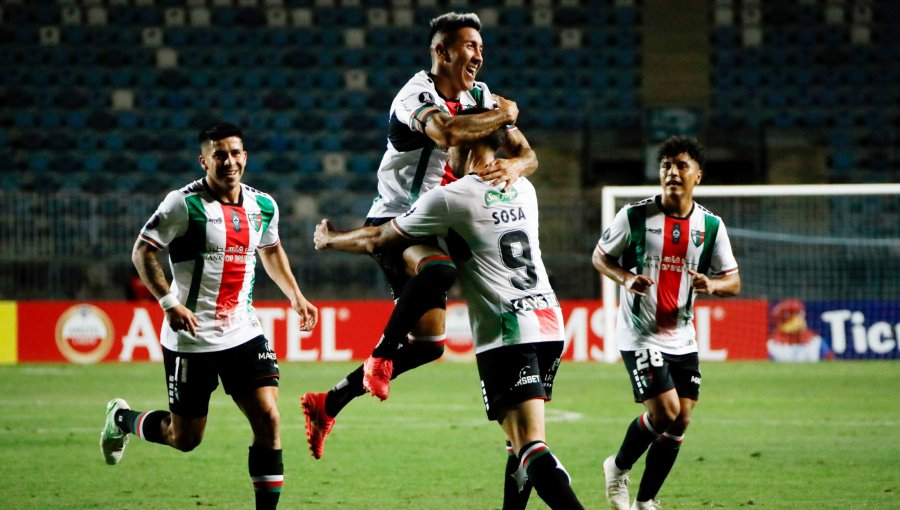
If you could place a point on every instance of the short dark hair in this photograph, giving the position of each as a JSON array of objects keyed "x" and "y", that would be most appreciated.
[
  {"x": 675, "y": 145},
  {"x": 451, "y": 22},
  {"x": 218, "y": 131}
]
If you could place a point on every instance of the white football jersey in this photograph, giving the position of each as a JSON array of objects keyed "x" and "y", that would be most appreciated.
[
  {"x": 492, "y": 237},
  {"x": 212, "y": 253},
  {"x": 647, "y": 241},
  {"x": 413, "y": 163}
]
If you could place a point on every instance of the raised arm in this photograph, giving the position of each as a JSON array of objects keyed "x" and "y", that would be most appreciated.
[
  {"x": 278, "y": 267},
  {"x": 448, "y": 131},
  {"x": 365, "y": 240}
]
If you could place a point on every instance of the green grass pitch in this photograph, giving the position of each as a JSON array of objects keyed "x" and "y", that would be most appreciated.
[{"x": 819, "y": 436}]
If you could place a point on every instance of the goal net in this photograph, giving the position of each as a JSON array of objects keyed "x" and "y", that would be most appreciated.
[{"x": 819, "y": 266}]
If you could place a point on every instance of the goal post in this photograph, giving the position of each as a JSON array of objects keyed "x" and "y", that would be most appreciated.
[{"x": 820, "y": 243}]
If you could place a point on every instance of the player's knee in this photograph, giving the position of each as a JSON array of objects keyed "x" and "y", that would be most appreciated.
[
  {"x": 440, "y": 276},
  {"x": 664, "y": 419}
]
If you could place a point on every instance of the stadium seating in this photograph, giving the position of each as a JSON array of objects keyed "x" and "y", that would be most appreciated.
[{"x": 106, "y": 95}]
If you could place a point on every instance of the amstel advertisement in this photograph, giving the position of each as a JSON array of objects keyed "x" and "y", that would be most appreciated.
[{"x": 97, "y": 331}]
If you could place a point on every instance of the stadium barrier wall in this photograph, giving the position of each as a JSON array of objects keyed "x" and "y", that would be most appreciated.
[{"x": 118, "y": 331}]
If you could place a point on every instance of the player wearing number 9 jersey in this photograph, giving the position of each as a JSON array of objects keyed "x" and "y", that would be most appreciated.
[
  {"x": 662, "y": 251},
  {"x": 492, "y": 237}
]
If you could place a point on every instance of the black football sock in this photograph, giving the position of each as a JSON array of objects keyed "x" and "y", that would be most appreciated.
[
  {"x": 145, "y": 425},
  {"x": 638, "y": 437},
  {"x": 343, "y": 392},
  {"x": 516, "y": 486},
  {"x": 407, "y": 357},
  {"x": 548, "y": 476},
  {"x": 267, "y": 475},
  {"x": 415, "y": 354},
  {"x": 660, "y": 459},
  {"x": 424, "y": 291}
]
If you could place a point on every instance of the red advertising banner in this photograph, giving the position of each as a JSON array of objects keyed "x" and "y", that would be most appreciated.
[{"x": 92, "y": 332}]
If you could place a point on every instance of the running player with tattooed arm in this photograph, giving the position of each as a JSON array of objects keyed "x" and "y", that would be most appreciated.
[
  {"x": 492, "y": 236},
  {"x": 423, "y": 126},
  {"x": 213, "y": 229},
  {"x": 662, "y": 251}
]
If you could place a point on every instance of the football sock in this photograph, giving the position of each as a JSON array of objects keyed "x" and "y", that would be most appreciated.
[
  {"x": 146, "y": 425},
  {"x": 638, "y": 437},
  {"x": 514, "y": 497},
  {"x": 548, "y": 476},
  {"x": 267, "y": 475},
  {"x": 660, "y": 459},
  {"x": 422, "y": 292},
  {"x": 407, "y": 357},
  {"x": 415, "y": 354},
  {"x": 343, "y": 392}
]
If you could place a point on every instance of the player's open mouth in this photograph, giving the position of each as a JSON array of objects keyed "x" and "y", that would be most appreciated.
[{"x": 472, "y": 71}]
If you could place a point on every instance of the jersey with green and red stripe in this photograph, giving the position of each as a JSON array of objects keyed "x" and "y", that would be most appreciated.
[
  {"x": 212, "y": 252},
  {"x": 647, "y": 241}
]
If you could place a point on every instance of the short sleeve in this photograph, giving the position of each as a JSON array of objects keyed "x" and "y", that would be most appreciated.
[
  {"x": 269, "y": 209},
  {"x": 723, "y": 261},
  {"x": 428, "y": 216},
  {"x": 168, "y": 222},
  {"x": 616, "y": 236},
  {"x": 414, "y": 106}
]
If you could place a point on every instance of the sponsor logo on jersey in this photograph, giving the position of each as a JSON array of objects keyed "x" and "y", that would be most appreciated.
[
  {"x": 697, "y": 237},
  {"x": 266, "y": 355},
  {"x": 215, "y": 221},
  {"x": 493, "y": 196},
  {"x": 606, "y": 235},
  {"x": 535, "y": 302},
  {"x": 657, "y": 231},
  {"x": 255, "y": 220},
  {"x": 676, "y": 233}
]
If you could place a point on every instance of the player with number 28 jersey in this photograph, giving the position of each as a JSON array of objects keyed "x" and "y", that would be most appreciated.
[{"x": 649, "y": 242}]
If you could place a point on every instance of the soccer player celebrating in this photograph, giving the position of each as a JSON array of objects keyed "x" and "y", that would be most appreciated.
[
  {"x": 423, "y": 125},
  {"x": 515, "y": 317},
  {"x": 662, "y": 251},
  {"x": 213, "y": 228}
]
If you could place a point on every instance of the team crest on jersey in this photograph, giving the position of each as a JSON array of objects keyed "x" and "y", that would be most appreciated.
[
  {"x": 493, "y": 196},
  {"x": 255, "y": 220},
  {"x": 676, "y": 233},
  {"x": 235, "y": 221},
  {"x": 697, "y": 237}
]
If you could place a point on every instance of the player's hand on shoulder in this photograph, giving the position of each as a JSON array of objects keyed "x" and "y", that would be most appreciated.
[{"x": 322, "y": 234}]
